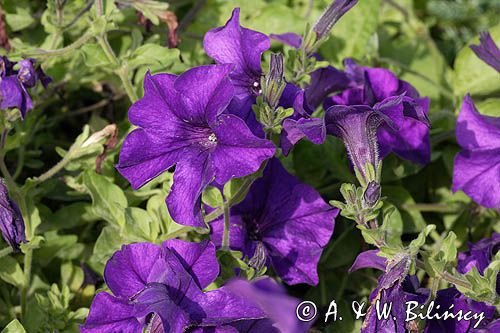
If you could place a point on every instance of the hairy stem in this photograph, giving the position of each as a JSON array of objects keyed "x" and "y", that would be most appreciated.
[
  {"x": 225, "y": 236},
  {"x": 6, "y": 251}
]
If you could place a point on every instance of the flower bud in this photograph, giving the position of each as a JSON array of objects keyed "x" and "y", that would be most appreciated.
[
  {"x": 371, "y": 194},
  {"x": 331, "y": 15},
  {"x": 275, "y": 81},
  {"x": 258, "y": 261},
  {"x": 11, "y": 220}
]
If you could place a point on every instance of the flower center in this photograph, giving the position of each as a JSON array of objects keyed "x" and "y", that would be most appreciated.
[
  {"x": 212, "y": 138},
  {"x": 256, "y": 90}
]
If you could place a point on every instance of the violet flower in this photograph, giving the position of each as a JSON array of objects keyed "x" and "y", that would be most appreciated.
[
  {"x": 241, "y": 47},
  {"x": 477, "y": 167},
  {"x": 487, "y": 50},
  {"x": 15, "y": 83},
  {"x": 290, "y": 220},
  {"x": 181, "y": 122},
  {"x": 160, "y": 288},
  {"x": 11, "y": 220}
]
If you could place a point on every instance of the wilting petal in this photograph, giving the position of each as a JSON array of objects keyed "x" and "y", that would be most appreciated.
[
  {"x": 127, "y": 271},
  {"x": 477, "y": 173},
  {"x": 487, "y": 51},
  {"x": 475, "y": 130},
  {"x": 11, "y": 220},
  {"x": 14, "y": 95},
  {"x": 198, "y": 259},
  {"x": 238, "y": 152},
  {"x": 294, "y": 130},
  {"x": 369, "y": 259},
  {"x": 27, "y": 73},
  {"x": 206, "y": 92},
  {"x": 233, "y": 44},
  {"x": 191, "y": 176},
  {"x": 273, "y": 300},
  {"x": 110, "y": 314}
]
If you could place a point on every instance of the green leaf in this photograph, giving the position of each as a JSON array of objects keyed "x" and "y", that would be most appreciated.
[
  {"x": 14, "y": 327},
  {"x": 392, "y": 225},
  {"x": 489, "y": 107},
  {"x": 139, "y": 226},
  {"x": 109, "y": 241},
  {"x": 412, "y": 219},
  {"x": 449, "y": 248},
  {"x": 212, "y": 197},
  {"x": 417, "y": 243},
  {"x": 11, "y": 271},
  {"x": 108, "y": 200},
  {"x": 18, "y": 14},
  {"x": 94, "y": 56},
  {"x": 472, "y": 75},
  {"x": 153, "y": 55}
]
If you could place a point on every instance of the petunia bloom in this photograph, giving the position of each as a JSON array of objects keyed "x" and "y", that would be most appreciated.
[
  {"x": 241, "y": 47},
  {"x": 15, "y": 82},
  {"x": 290, "y": 221},
  {"x": 182, "y": 122},
  {"x": 477, "y": 167},
  {"x": 487, "y": 51},
  {"x": 161, "y": 288},
  {"x": 372, "y": 86},
  {"x": 11, "y": 220}
]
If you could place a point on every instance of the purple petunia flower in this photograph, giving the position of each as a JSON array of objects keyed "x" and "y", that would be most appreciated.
[
  {"x": 375, "y": 86},
  {"x": 11, "y": 220},
  {"x": 241, "y": 47},
  {"x": 182, "y": 123},
  {"x": 487, "y": 51},
  {"x": 287, "y": 220},
  {"x": 15, "y": 82},
  {"x": 160, "y": 288},
  {"x": 477, "y": 167}
]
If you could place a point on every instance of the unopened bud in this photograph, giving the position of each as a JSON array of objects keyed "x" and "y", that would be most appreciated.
[
  {"x": 371, "y": 194},
  {"x": 275, "y": 81},
  {"x": 258, "y": 261},
  {"x": 331, "y": 15}
]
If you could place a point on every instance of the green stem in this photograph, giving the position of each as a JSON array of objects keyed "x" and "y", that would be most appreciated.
[
  {"x": 438, "y": 208},
  {"x": 6, "y": 251},
  {"x": 122, "y": 71},
  {"x": 447, "y": 276},
  {"x": 59, "y": 52},
  {"x": 27, "y": 279},
  {"x": 56, "y": 168},
  {"x": 225, "y": 236}
]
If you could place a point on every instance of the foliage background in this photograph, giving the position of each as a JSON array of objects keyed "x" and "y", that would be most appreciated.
[{"x": 79, "y": 217}]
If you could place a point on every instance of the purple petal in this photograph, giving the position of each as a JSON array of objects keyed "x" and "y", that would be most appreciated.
[
  {"x": 477, "y": 173},
  {"x": 238, "y": 152},
  {"x": 110, "y": 314},
  {"x": 289, "y": 38},
  {"x": 294, "y": 130},
  {"x": 487, "y": 51},
  {"x": 325, "y": 81},
  {"x": 197, "y": 258},
  {"x": 238, "y": 235},
  {"x": 206, "y": 92},
  {"x": 369, "y": 259},
  {"x": 14, "y": 95},
  {"x": 383, "y": 82},
  {"x": 475, "y": 130},
  {"x": 11, "y": 220},
  {"x": 127, "y": 271},
  {"x": 233, "y": 44},
  {"x": 191, "y": 176}
]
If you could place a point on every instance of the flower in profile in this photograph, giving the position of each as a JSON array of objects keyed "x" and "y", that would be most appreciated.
[
  {"x": 181, "y": 122},
  {"x": 11, "y": 220},
  {"x": 487, "y": 50},
  {"x": 477, "y": 167},
  {"x": 241, "y": 47},
  {"x": 15, "y": 83},
  {"x": 161, "y": 288},
  {"x": 290, "y": 220},
  {"x": 394, "y": 287},
  {"x": 372, "y": 86}
]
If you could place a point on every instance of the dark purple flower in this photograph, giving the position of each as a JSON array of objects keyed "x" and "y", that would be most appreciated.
[
  {"x": 357, "y": 127},
  {"x": 182, "y": 122},
  {"x": 372, "y": 86},
  {"x": 11, "y": 220},
  {"x": 480, "y": 255},
  {"x": 289, "y": 218},
  {"x": 241, "y": 47},
  {"x": 371, "y": 194},
  {"x": 161, "y": 288},
  {"x": 331, "y": 15},
  {"x": 477, "y": 167},
  {"x": 487, "y": 50},
  {"x": 15, "y": 82},
  {"x": 452, "y": 300}
]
